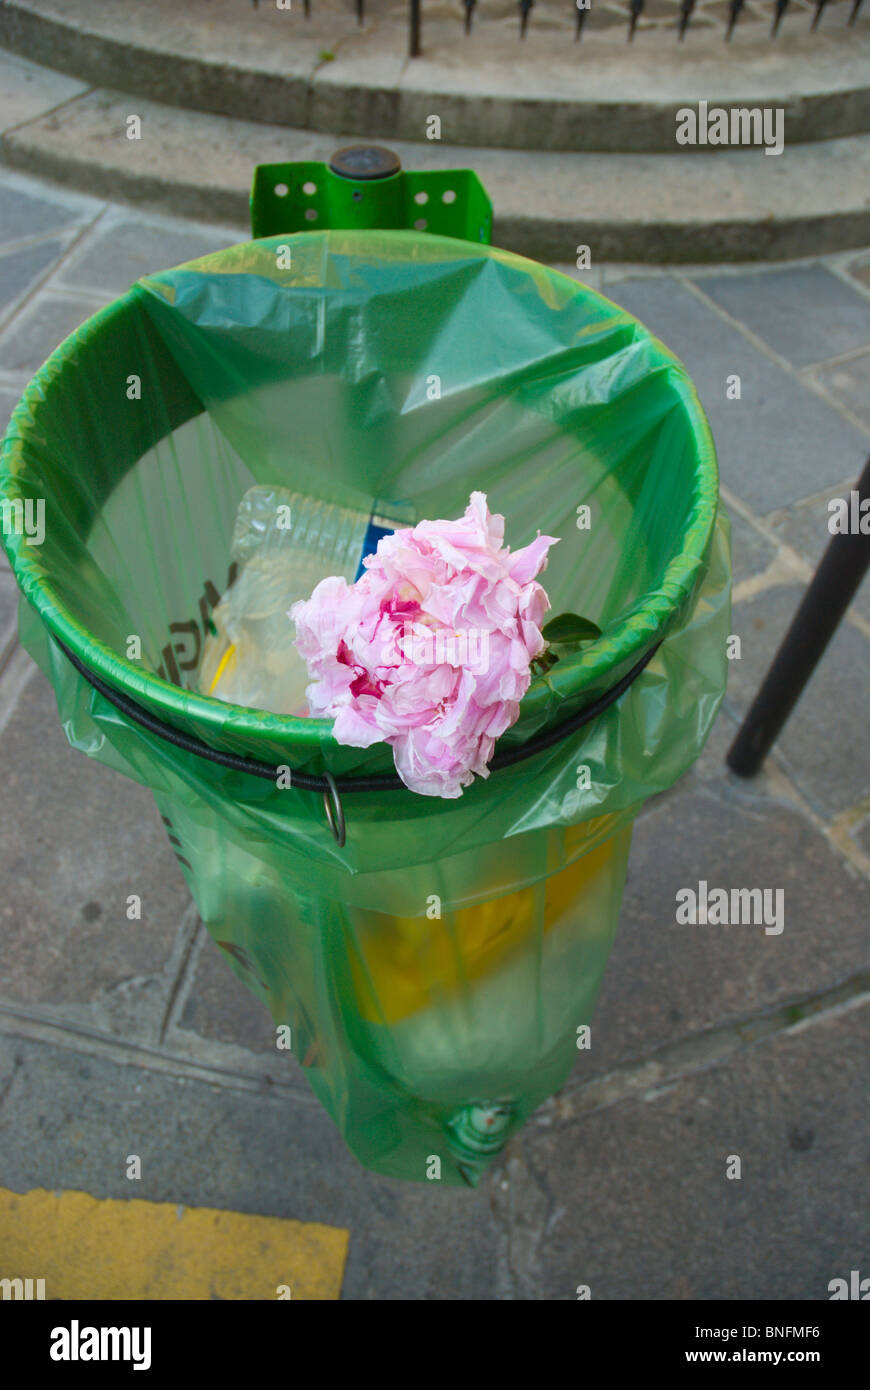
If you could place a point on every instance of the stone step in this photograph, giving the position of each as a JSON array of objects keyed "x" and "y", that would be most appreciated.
[
  {"x": 326, "y": 74},
  {"x": 731, "y": 206}
]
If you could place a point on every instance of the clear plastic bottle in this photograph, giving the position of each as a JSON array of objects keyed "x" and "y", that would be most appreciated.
[{"x": 284, "y": 544}]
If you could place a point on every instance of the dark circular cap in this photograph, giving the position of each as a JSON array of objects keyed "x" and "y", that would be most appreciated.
[{"x": 365, "y": 162}]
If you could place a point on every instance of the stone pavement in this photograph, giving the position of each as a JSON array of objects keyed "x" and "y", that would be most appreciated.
[{"x": 120, "y": 1037}]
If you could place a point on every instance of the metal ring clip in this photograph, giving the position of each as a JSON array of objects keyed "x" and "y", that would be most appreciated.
[{"x": 334, "y": 811}]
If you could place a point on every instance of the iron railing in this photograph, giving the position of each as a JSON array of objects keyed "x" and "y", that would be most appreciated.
[{"x": 636, "y": 9}]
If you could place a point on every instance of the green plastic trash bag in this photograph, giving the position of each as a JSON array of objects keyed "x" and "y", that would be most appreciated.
[{"x": 433, "y": 973}]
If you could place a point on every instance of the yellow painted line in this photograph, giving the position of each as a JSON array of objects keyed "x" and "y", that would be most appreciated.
[{"x": 85, "y": 1247}]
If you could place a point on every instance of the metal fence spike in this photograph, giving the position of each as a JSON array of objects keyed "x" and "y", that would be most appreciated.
[
  {"x": 686, "y": 10},
  {"x": 820, "y": 5},
  {"x": 781, "y": 7},
  {"x": 416, "y": 26}
]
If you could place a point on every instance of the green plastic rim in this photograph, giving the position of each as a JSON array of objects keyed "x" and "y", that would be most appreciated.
[{"x": 621, "y": 646}]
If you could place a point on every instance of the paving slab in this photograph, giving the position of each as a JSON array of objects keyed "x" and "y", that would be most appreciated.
[
  {"x": 849, "y": 383},
  {"x": 806, "y": 314},
  {"x": 667, "y": 980},
  {"x": 20, "y": 270},
  {"x": 219, "y": 1007},
  {"x": 26, "y": 213},
  {"x": 122, "y": 248},
  {"x": 40, "y": 328},
  {"x": 80, "y": 840},
  {"x": 634, "y": 1201},
  {"x": 8, "y": 402},
  {"x": 805, "y": 528},
  {"x": 751, "y": 552},
  {"x": 69, "y": 1121},
  {"x": 8, "y": 610},
  {"x": 780, "y": 441},
  {"x": 825, "y": 746}
]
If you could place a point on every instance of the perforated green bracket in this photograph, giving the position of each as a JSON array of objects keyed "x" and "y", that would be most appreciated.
[{"x": 365, "y": 186}]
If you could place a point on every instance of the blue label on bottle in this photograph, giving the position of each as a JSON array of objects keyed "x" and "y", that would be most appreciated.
[{"x": 378, "y": 527}]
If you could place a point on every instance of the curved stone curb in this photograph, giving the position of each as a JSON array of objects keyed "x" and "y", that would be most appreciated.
[
  {"x": 655, "y": 208},
  {"x": 620, "y": 102}
]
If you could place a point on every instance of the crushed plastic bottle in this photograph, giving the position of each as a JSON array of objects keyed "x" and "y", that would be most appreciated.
[{"x": 284, "y": 544}]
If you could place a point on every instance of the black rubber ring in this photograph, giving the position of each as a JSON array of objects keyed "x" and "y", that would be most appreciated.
[{"x": 305, "y": 781}]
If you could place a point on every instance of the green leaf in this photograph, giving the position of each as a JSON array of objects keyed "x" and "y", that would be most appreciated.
[
  {"x": 541, "y": 664},
  {"x": 569, "y": 630}
]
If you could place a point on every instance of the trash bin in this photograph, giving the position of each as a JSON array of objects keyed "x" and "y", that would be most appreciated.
[{"x": 432, "y": 964}]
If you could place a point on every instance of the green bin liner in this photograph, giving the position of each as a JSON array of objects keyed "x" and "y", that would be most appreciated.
[{"x": 433, "y": 975}]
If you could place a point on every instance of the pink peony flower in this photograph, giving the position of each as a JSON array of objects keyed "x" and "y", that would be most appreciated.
[{"x": 430, "y": 649}]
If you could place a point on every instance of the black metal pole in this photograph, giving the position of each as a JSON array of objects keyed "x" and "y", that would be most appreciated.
[
  {"x": 834, "y": 585},
  {"x": 414, "y": 47}
]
